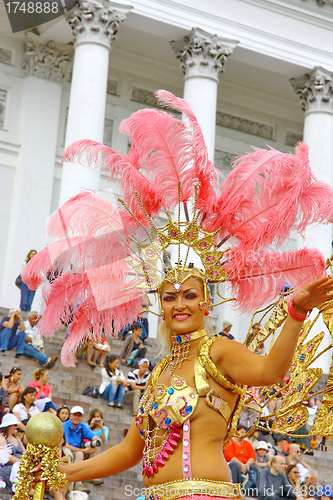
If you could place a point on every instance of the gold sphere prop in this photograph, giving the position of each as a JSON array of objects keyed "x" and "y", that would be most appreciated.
[{"x": 44, "y": 428}]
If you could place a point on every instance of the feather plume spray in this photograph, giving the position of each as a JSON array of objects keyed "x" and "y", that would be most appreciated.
[
  {"x": 257, "y": 279},
  {"x": 316, "y": 205},
  {"x": 204, "y": 169},
  {"x": 165, "y": 152},
  {"x": 91, "y": 153},
  {"x": 87, "y": 315},
  {"x": 262, "y": 185}
]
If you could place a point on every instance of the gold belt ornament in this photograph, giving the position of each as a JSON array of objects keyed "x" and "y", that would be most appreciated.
[{"x": 188, "y": 487}]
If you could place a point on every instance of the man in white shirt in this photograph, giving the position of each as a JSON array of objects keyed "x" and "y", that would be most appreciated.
[
  {"x": 138, "y": 381},
  {"x": 31, "y": 335}
]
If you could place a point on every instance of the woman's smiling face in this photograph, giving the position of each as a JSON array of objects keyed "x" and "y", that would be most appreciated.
[{"x": 181, "y": 309}]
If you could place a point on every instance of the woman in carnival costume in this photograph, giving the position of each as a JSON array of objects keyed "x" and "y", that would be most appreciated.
[{"x": 113, "y": 258}]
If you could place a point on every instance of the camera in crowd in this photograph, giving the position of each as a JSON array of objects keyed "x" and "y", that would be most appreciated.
[{"x": 92, "y": 444}]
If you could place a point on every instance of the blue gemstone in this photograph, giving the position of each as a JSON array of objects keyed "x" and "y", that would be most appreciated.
[
  {"x": 167, "y": 421},
  {"x": 171, "y": 391},
  {"x": 151, "y": 497},
  {"x": 179, "y": 339},
  {"x": 188, "y": 409},
  {"x": 299, "y": 387},
  {"x": 289, "y": 419},
  {"x": 142, "y": 433},
  {"x": 301, "y": 357},
  {"x": 154, "y": 406},
  {"x": 141, "y": 410}
]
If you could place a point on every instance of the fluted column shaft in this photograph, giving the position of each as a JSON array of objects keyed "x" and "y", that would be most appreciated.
[{"x": 94, "y": 24}]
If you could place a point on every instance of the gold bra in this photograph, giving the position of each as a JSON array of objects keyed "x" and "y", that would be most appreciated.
[{"x": 175, "y": 404}]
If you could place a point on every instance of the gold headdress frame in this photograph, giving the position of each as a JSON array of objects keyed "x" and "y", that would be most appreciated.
[{"x": 149, "y": 266}]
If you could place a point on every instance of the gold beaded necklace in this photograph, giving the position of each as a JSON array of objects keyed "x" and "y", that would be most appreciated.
[{"x": 181, "y": 348}]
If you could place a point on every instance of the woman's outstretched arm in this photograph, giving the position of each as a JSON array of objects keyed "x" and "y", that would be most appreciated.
[
  {"x": 243, "y": 366},
  {"x": 121, "y": 457}
]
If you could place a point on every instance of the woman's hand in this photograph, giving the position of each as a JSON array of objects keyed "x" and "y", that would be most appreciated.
[{"x": 312, "y": 295}]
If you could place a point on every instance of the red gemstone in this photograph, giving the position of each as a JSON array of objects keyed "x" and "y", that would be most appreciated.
[
  {"x": 160, "y": 462},
  {"x": 173, "y": 233},
  {"x": 147, "y": 472},
  {"x": 155, "y": 468},
  {"x": 189, "y": 236},
  {"x": 169, "y": 449},
  {"x": 175, "y": 435},
  {"x": 144, "y": 472},
  {"x": 151, "y": 471},
  {"x": 172, "y": 442},
  {"x": 203, "y": 244},
  {"x": 210, "y": 258},
  {"x": 165, "y": 455},
  {"x": 176, "y": 425}
]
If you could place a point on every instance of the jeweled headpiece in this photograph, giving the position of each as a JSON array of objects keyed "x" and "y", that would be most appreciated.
[{"x": 107, "y": 257}]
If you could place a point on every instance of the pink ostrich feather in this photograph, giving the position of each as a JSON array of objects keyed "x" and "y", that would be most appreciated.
[
  {"x": 260, "y": 200},
  {"x": 165, "y": 152},
  {"x": 257, "y": 279},
  {"x": 91, "y": 153},
  {"x": 205, "y": 171}
]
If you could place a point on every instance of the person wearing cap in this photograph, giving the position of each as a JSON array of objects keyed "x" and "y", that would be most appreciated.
[
  {"x": 138, "y": 381},
  {"x": 325, "y": 493},
  {"x": 226, "y": 327},
  {"x": 262, "y": 457},
  {"x": 240, "y": 455},
  {"x": 8, "y": 428},
  {"x": 133, "y": 349},
  {"x": 281, "y": 442},
  {"x": 75, "y": 434}
]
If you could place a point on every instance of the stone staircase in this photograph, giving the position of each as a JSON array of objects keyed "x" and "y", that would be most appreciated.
[{"x": 67, "y": 387}]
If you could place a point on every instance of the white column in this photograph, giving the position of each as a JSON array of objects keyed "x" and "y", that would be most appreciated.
[
  {"x": 315, "y": 90},
  {"x": 31, "y": 202},
  {"x": 316, "y": 93},
  {"x": 94, "y": 25},
  {"x": 202, "y": 57}
]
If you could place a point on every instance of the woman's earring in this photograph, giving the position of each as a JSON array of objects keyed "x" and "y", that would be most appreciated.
[
  {"x": 206, "y": 313},
  {"x": 163, "y": 317}
]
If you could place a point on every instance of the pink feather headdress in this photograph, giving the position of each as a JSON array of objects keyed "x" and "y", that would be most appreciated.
[{"x": 107, "y": 256}]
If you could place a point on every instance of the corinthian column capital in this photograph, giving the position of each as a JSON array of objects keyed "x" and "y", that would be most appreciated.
[
  {"x": 202, "y": 54},
  {"x": 315, "y": 90},
  {"x": 46, "y": 60},
  {"x": 97, "y": 21}
]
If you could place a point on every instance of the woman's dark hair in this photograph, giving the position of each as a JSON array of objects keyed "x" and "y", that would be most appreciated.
[
  {"x": 92, "y": 414},
  {"x": 62, "y": 408},
  {"x": 109, "y": 359},
  {"x": 27, "y": 390},
  {"x": 13, "y": 370},
  {"x": 290, "y": 467},
  {"x": 28, "y": 256}
]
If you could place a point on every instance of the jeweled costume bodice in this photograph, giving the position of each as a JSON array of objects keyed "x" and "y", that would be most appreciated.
[{"x": 171, "y": 407}]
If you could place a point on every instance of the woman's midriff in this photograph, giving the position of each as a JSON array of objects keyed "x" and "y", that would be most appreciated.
[{"x": 208, "y": 430}]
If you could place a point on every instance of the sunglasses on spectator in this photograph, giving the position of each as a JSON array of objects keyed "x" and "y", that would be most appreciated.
[{"x": 63, "y": 407}]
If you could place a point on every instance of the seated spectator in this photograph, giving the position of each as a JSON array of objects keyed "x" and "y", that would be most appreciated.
[
  {"x": 262, "y": 457},
  {"x": 254, "y": 438},
  {"x": 75, "y": 434},
  {"x": 294, "y": 479},
  {"x": 310, "y": 483},
  {"x": 26, "y": 408},
  {"x": 45, "y": 404},
  {"x": 226, "y": 327},
  {"x": 138, "y": 380},
  {"x": 63, "y": 413},
  {"x": 12, "y": 334},
  {"x": 273, "y": 483},
  {"x": 281, "y": 443},
  {"x": 313, "y": 410},
  {"x": 113, "y": 382},
  {"x": 4, "y": 400},
  {"x": 293, "y": 458},
  {"x": 44, "y": 390},
  {"x": 97, "y": 350},
  {"x": 240, "y": 455},
  {"x": 96, "y": 424},
  {"x": 31, "y": 331},
  {"x": 9, "y": 426},
  {"x": 133, "y": 349},
  {"x": 11, "y": 383}
]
